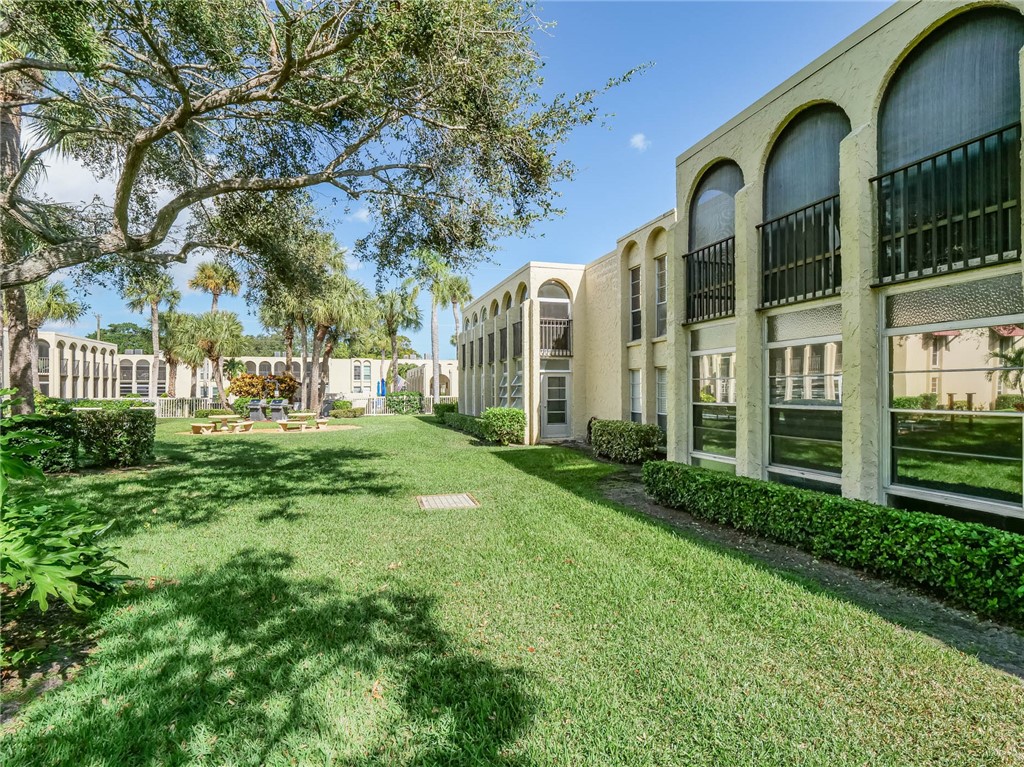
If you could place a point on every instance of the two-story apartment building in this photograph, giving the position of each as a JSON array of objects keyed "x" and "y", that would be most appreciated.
[{"x": 839, "y": 284}]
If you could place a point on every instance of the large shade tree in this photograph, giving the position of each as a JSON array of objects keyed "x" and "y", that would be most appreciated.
[
  {"x": 48, "y": 302},
  {"x": 150, "y": 289},
  {"x": 428, "y": 112}
]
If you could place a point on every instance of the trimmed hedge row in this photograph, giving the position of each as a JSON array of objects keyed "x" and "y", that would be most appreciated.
[
  {"x": 973, "y": 565},
  {"x": 63, "y": 430},
  {"x": 122, "y": 437},
  {"x": 348, "y": 412},
  {"x": 504, "y": 425},
  {"x": 441, "y": 410},
  {"x": 625, "y": 441},
  {"x": 206, "y": 412},
  {"x": 467, "y": 423}
]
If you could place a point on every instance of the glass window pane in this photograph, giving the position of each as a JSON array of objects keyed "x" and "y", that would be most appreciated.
[
  {"x": 807, "y": 439},
  {"x": 713, "y": 209},
  {"x": 806, "y": 375},
  {"x": 960, "y": 301},
  {"x": 714, "y": 429},
  {"x": 809, "y": 323},
  {"x": 714, "y": 337}
]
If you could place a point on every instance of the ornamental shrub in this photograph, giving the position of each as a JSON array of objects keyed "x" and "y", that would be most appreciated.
[
  {"x": 61, "y": 429},
  {"x": 1009, "y": 401},
  {"x": 441, "y": 410},
  {"x": 349, "y": 412},
  {"x": 504, "y": 425},
  {"x": 206, "y": 412},
  {"x": 113, "y": 404},
  {"x": 49, "y": 549},
  {"x": 929, "y": 401},
  {"x": 118, "y": 437},
  {"x": 973, "y": 565},
  {"x": 287, "y": 385},
  {"x": 625, "y": 441},
  {"x": 252, "y": 386},
  {"x": 906, "y": 403},
  {"x": 465, "y": 423},
  {"x": 241, "y": 406},
  {"x": 404, "y": 402},
  {"x": 341, "y": 404}
]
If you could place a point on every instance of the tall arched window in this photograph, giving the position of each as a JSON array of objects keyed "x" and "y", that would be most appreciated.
[
  {"x": 250, "y": 367},
  {"x": 800, "y": 237},
  {"x": 710, "y": 264},
  {"x": 264, "y": 368},
  {"x": 555, "y": 320},
  {"x": 948, "y": 147}
]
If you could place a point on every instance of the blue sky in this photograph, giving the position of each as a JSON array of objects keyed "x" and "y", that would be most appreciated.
[{"x": 709, "y": 61}]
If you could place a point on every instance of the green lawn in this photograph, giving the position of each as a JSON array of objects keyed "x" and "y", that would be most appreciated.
[{"x": 305, "y": 612}]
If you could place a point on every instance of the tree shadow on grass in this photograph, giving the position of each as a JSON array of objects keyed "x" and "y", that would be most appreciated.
[
  {"x": 998, "y": 646},
  {"x": 194, "y": 485},
  {"x": 244, "y": 664}
]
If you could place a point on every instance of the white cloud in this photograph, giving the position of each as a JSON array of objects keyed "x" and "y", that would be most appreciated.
[
  {"x": 639, "y": 142},
  {"x": 362, "y": 215}
]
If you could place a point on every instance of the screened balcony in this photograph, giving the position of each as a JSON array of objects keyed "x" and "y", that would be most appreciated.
[
  {"x": 954, "y": 210},
  {"x": 711, "y": 281},
  {"x": 800, "y": 254},
  {"x": 555, "y": 338},
  {"x": 43, "y": 365}
]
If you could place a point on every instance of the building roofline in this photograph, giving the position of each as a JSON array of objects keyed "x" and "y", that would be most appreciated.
[
  {"x": 845, "y": 45},
  {"x": 671, "y": 212}
]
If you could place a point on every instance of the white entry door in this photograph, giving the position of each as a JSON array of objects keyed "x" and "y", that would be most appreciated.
[{"x": 554, "y": 406}]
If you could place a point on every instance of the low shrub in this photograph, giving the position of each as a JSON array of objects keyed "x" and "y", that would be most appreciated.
[
  {"x": 973, "y": 565},
  {"x": 206, "y": 412},
  {"x": 131, "y": 395},
  {"x": 625, "y": 441},
  {"x": 404, "y": 402},
  {"x": 906, "y": 403},
  {"x": 1008, "y": 401},
  {"x": 465, "y": 423},
  {"x": 241, "y": 406},
  {"x": 341, "y": 404},
  {"x": 113, "y": 404},
  {"x": 441, "y": 410},
  {"x": 49, "y": 548},
  {"x": 349, "y": 412},
  {"x": 504, "y": 425},
  {"x": 118, "y": 437},
  {"x": 929, "y": 401},
  {"x": 61, "y": 429}
]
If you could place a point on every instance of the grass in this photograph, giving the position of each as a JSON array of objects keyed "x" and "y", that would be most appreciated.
[{"x": 298, "y": 609}]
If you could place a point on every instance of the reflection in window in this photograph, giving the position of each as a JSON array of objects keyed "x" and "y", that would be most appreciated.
[
  {"x": 805, "y": 393},
  {"x": 714, "y": 404},
  {"x": 956, "y": 426},
  {"x": 660, "y": 297},
  {"x": 661, "y": 397},
  {"x": 636, "y": 397}
]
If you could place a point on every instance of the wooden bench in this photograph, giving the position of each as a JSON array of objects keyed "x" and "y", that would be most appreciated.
[
  {"x": 202, "y": 428},
  {"x": 292, "y": 425}
]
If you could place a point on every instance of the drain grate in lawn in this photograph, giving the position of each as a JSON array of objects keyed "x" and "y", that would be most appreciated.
[{"x": 447, "y": 501}]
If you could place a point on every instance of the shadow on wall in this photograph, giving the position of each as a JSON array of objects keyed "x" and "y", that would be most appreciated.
[
  {"x": 245, "y": 664},
  {"x": 198, "y": 482},
  {"x": 574, "y": 471}
]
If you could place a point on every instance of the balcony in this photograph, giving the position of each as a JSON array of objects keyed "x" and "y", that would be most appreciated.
[
  {"x": 555, "y": 338},
  {"x": 711, "y": 281},
  {"x": 63, "y": 367},
  {"x": 517, "y": 339},
  {"x": 958, "y": 209},
  {"x": 77, "y": 368},
  {"x": 43, "y": 365},
  {"x": 800, "y": 254}
]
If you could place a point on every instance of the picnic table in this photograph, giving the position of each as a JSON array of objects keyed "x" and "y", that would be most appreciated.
[{"x": 223, "y": 419}]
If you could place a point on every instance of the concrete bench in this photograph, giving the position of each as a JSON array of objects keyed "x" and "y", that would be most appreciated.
[
  {"x": 240, "y": 427},
  {"x": 202, "y": 428},
  {"x": 321, "y": 423},
  {"x": 292, "y": 425}
]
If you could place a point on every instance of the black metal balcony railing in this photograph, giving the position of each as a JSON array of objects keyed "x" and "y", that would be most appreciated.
[
  {"x": 490, "y": 348},
  {"x": 517, "y": 339},
  {"x": 800, "y": 254},
  {"x": 711, "y": 281},
  {"x": 957, "y": 209},
  {"x": 43, "y": 365},
  {"x": 503, "y": 344},
  {"x": 555, "y": 338}
]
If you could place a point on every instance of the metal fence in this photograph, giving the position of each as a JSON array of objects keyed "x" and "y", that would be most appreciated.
[{"x": 181, "y": 407}]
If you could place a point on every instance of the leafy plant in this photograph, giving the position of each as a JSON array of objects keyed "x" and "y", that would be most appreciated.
[
  {"x": 49, "y": 549},
  {"x": 625, "y": 441},
  {"x": 974, "y": 565},
  {"x": 241, "y": 406},
  {"x": 404, "y": 402},
  {"x": 350, "y": 412},
  {"x": 206, "y": 412},
  {"x": 1012, "y": 362},
  {"x": 466, "y": 423},
  {"x": 61, "y": 429},
  {"x": 441, "y": 410},
  {"x": 504, "y": 425},
  {"x": 341, "y": 404},
  {"x": 118, "y": 437}
]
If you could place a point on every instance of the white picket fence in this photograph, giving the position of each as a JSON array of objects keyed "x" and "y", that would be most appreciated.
[
  {"x": 181, "y": 407},
  {"x": 379, "y": 405}
]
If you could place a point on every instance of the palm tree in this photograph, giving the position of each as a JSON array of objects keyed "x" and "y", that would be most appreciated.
[
  {"x": 180, "y": 347},
  {"x": 397, "y": 311},
  {"x": 151, "y": 290},
  {"x": 454, "y": 291},
  {"x": 216, "y": 279},
  {"x": 233, "y": 367},
  {"x": 47, "y": 302},
  {"x": 337, "y": 309},
  {"x": 1012, "y": 363},
  {"x": 445, "y": 288},
  {"x": 219, "y": 335}
]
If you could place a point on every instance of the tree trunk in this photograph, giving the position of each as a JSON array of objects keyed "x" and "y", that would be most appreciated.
[
  {"x": 394, "y": 363},
  {"x": 154, "y": 326},
  {"x": 20, "y": 352},
  {"x": 435, "y": 354},
  {"x": 319, "y": 332},
  {"x": 172, "y": 380},
  {"x": 213, "y": 306},
  {"x": 195, "y": 382},
  {"x": 303, "y": 378},
  {"x": 325, "y": 367},
  {"x": 220, "y": 382}
]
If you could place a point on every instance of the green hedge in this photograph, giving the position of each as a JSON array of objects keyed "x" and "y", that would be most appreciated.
[
  {"x": 441, "y": 410},
  {"x": 625, "y": 441},
  {"x": 114, "y": 404},
  {"x": 240, "y": 406},
  {"x": 973, "y": 565},
  {"x": 341, "y": 404},
  {"x": 62, "y": 430},
  {"x": 206, "y": 412},
  {"x": 1008, "y": 401},
  {"x": 123, "y": 437},
  {"x": 467, "y": 423},
  {"x": 349, "y": 412},
  {"x": 404, "y": 402},
  {"x": 504, "y": 425}
]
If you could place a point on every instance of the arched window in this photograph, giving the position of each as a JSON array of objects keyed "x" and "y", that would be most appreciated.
[
  {"x": 495, "y": 310},
  {"x": 555, "y": 314},
  {"x": 948, "y": 143},
  {"x": 43, "y": 357},
  {"x": 250, "y": 367},
  {"x": 506, "y": 302},
  {"x": 264, "y": 368},
  {"x": 800, "y": 237},
  {"x": 142, "y": 377},
  {"x": 126, "y": 375},
  {"x": 711, "y": 264},
  {"x": 296, "y": 370},
  {"x": 522, "y": 293},
  {"x": 278, "y": 368},
  {"x": 475, "y": 319}
]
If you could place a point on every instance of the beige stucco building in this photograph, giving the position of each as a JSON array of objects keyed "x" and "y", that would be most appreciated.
[{"x": 832, "y": 290}]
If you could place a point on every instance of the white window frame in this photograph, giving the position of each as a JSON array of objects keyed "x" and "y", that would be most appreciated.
[
  {"x": 660, "y": 296},
  {"x": 689, "y": 382},
  {"x": 661, "y": 397}
]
